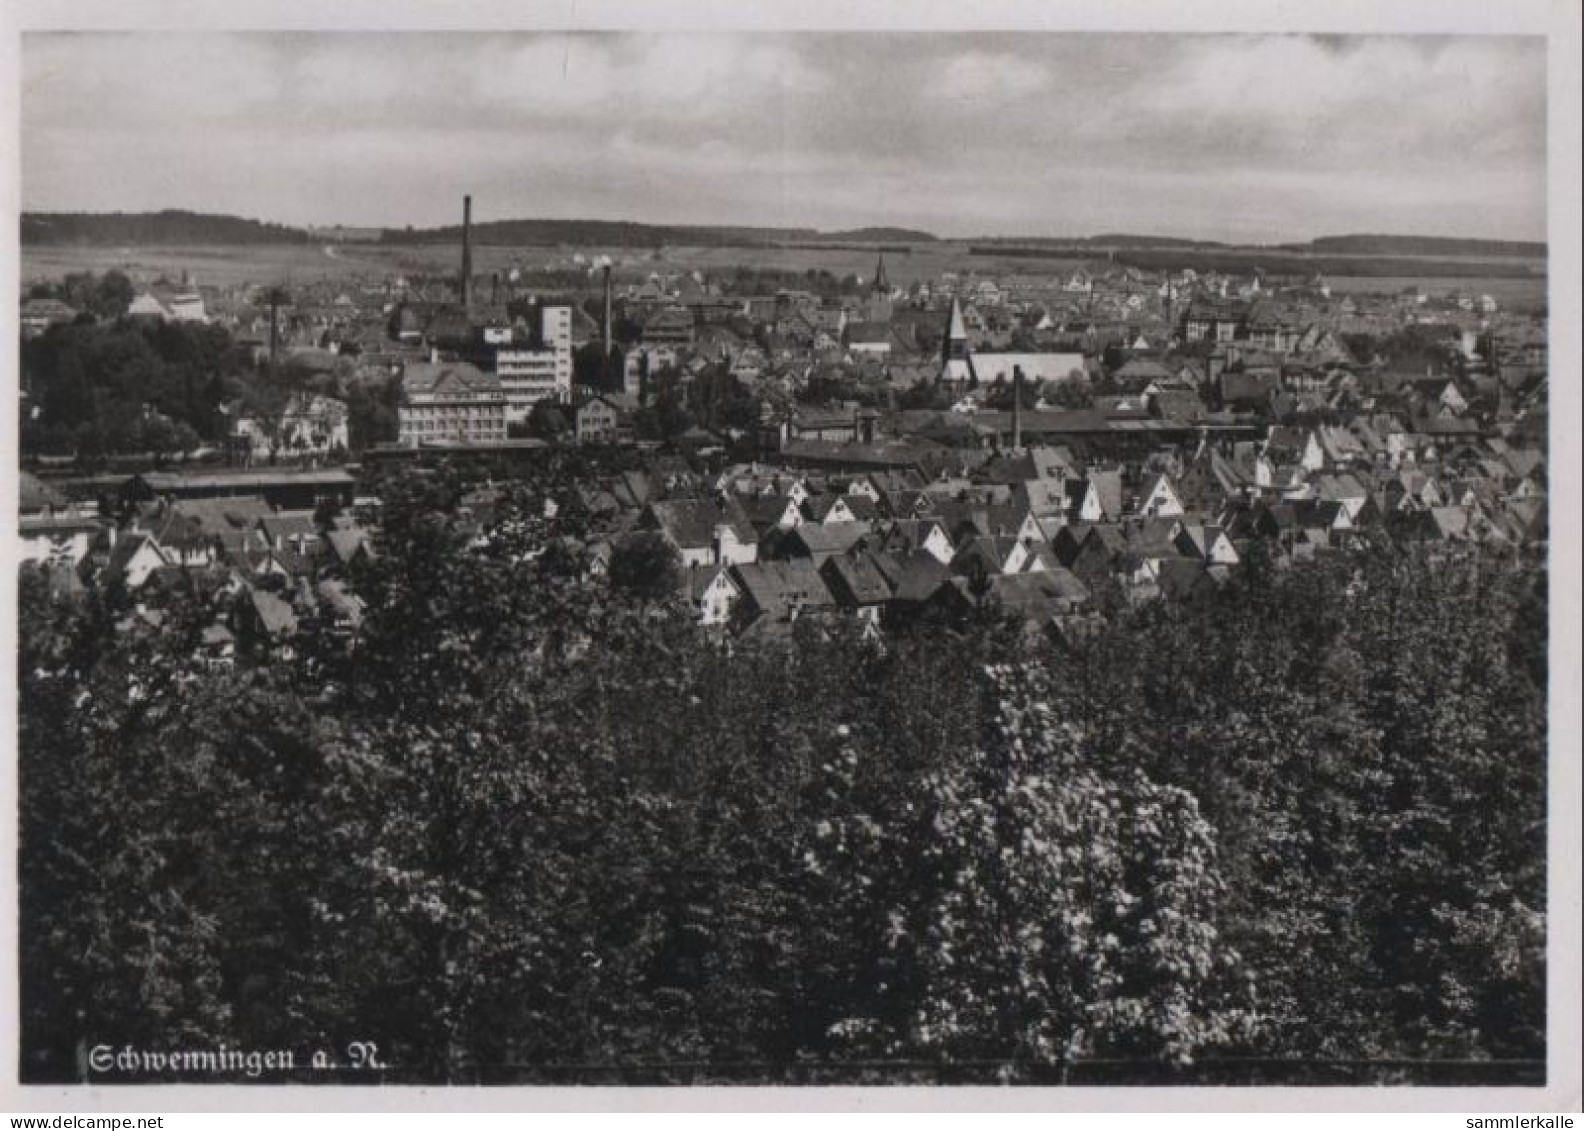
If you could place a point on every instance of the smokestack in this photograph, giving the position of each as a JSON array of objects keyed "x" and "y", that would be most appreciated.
[
  {"x": 607, "y": 308},
  {"x": 605, "y": 360},
  {"x": 467, "y": 254},
  {"x": 274, "y": 301},
  {"x": 1017, "y": 408}
]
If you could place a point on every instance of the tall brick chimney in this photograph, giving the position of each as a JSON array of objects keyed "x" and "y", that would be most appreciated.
[
  {"x": 607, "y": 309},
  {"x": 605, "y": 358},
  {"x": 467, "y": 254}
]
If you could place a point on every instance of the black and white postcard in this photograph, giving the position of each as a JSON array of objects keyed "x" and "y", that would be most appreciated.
[{"x": 1027, "y": 554}]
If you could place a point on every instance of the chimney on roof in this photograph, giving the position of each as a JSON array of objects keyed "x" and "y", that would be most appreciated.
[{"x": 467, "y": 254}]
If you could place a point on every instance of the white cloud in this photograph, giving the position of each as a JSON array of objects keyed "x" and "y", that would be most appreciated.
[
  {"x": 983, "y": 77},
  {"x": 686, "y": 77},
  {"x": 338, "y": 78},
  {"x": 143, "y": 78},
  {"x": 1028, "y": 133},
  {"x": 1293, "y": 84},
  {"x": 555, "y": 74}
]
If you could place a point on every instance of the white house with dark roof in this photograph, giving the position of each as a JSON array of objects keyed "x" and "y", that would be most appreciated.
[
  {"x": 134, "y": 555},
  {"x": 1207, "y": 543},
  {"x": 704, "y": 532},
  {"x": 712, "y": 592},
  {"x": 782, "y": 590},
  {"x": 1159, "y": 499}
]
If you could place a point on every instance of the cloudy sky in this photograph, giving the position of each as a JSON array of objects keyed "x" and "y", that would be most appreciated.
[{"x": 1219, "y": 137}]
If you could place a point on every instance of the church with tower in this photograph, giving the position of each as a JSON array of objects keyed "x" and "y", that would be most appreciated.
[
  {"x": 956, "y": 362},
  {"x": 879, "y": 308}
]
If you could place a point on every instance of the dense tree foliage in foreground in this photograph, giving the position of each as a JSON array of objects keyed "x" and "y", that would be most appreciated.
[
  {"x": 129, "y": 387},
  {"x": 536, "y": 823}
]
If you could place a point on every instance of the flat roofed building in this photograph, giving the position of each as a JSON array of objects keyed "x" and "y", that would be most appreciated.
[{"x": 529, "y": 374}]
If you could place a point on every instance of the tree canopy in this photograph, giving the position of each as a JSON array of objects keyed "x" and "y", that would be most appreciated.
[
  {"x": 100, "y": 387},
  {"x": 539, "y": 826}
]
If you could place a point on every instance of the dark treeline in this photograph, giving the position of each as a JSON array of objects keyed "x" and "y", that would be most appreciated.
[
  {"x": 171, "y": 227},
  {"x": 178, "y": 227},
  {"x": 879, "y": 234},
  {"x": 883, "y": 249},
  {"x": 99, "y": 389},
  {"x": 539, "y": 826},
  {"x": 1242, "y": 262},
  {"x": 621, "y": 233},
  {"x": 614, "y": 233},
  {"x": 1424, "y": 245},
  {"x": 103, "y": 296},
  {"x": 128, "y": 386},
  {"x": 1088, "y": 244},
  {"x": 1333, "y": 245},
  {"x": 1234, "y": 261}
]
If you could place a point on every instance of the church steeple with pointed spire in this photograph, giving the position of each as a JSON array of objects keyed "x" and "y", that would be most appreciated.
[
  {"x": 880, "y": 294},
  {"x": 956, "y": 362}
]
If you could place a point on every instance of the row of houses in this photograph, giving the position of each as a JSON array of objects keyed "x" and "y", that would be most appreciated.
[
  {"x": 1059, "y": 537},
  {"x": 271, "y": 572},
  {"x": 773, "y": 542}
]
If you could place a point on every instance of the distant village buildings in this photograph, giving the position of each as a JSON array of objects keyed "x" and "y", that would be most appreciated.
[{"x": 1060, "y": 443}]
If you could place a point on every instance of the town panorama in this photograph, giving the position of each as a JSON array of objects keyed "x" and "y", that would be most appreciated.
[{"x": 534, "y": 651}]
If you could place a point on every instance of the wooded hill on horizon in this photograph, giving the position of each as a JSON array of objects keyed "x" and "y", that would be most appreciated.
[{"x": 179, "y": 227}]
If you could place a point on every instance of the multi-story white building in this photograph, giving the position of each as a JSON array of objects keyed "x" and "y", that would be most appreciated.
[
  {"x": 450, "y": 401},
  {"x": 531, "y": 372}
]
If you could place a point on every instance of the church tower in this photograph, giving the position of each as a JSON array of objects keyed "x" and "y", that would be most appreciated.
[
  {"x": 956, "y": 363},
  {"x": 880, "y": 294}
]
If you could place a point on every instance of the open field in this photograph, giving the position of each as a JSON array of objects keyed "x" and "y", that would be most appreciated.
[
  {"x": 923, "y": 261},
  {"x": 261, "y": 263},
  {"x": 300, "y": 264},
  {"x": 1513, "y": 294},
  {"x": 229, "y": 266}
]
